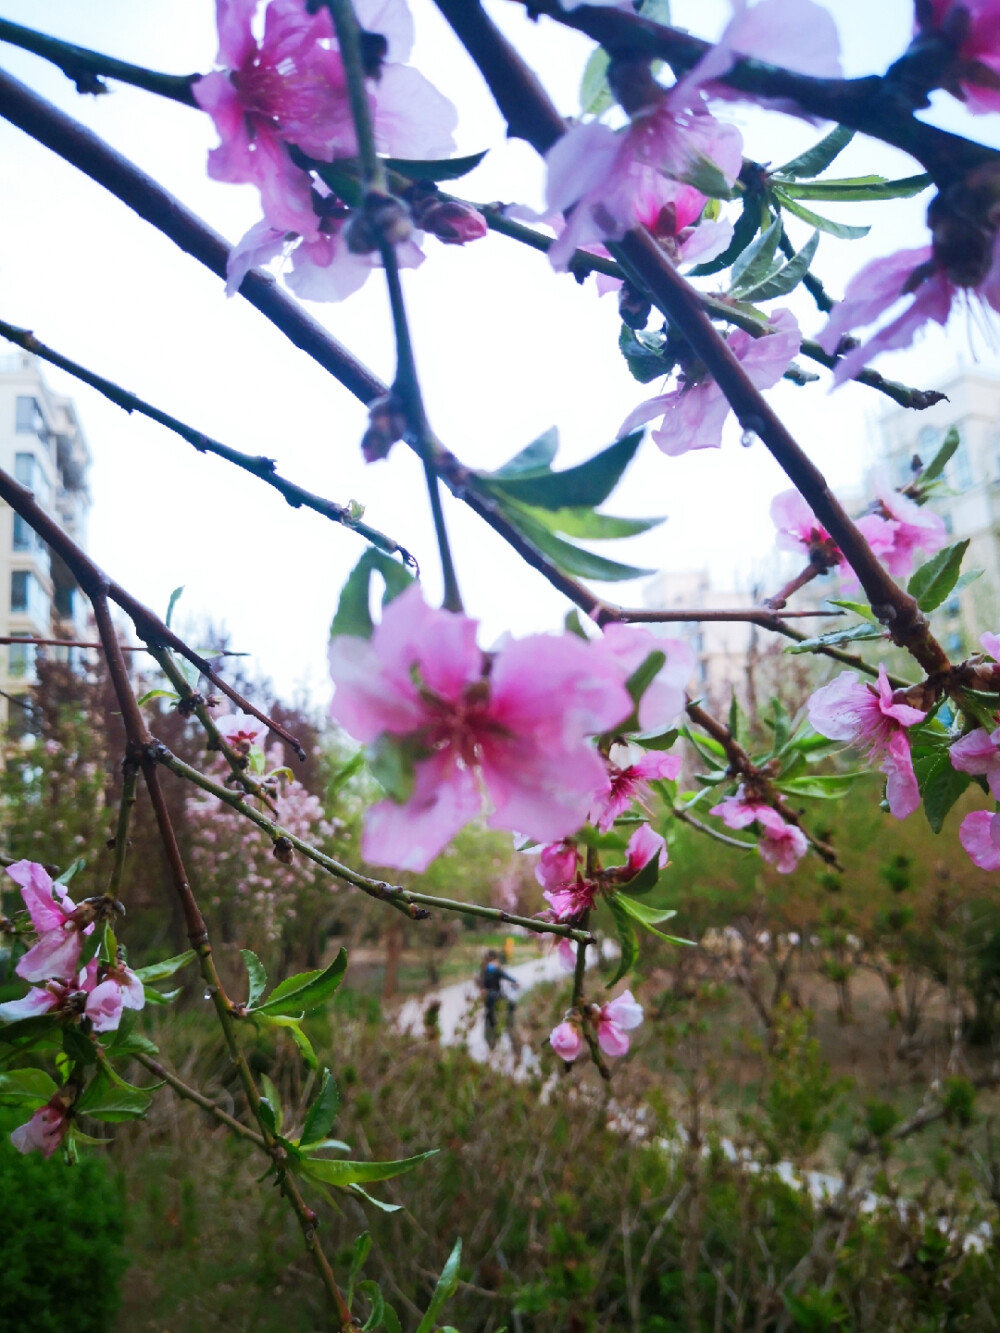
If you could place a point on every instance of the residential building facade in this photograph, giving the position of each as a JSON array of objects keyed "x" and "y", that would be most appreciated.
[
  {"x": 970, "y": 503},
  {"x": 43, "y": 446}
]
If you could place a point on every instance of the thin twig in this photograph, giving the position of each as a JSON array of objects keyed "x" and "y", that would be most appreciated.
[
  {"x": 193, "y": 1095},
  {"x": 258, "y": 466}
]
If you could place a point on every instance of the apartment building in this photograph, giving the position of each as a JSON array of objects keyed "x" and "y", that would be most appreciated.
[
  {"x": 41, "y": 444},
  {"x": 970, "y": 504}
]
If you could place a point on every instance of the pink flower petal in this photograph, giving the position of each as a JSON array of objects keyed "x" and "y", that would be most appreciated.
[{"x": 975, "y": 837}]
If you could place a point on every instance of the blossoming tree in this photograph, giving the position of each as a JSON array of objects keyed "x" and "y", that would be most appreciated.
[{"x": 571, "y": 741}]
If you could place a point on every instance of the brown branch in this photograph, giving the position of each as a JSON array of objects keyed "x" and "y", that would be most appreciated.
[
  {"x": 742, "y": 766},
  {"x": 193, "y": 1095}
]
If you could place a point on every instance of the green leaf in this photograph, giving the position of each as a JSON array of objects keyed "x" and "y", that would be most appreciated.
[
  {"x": 157, "y": 694},
  {"x": 436, "y": 169},
  {"x": 588, "y": 524},
  {"x": 26, "y": 1087},
  {"x": 787, "y": 278},
  {"x": 72, "y": 870},
  {"x": 572, "y": 560},
  {"x": 838, "y": 229},
  {"x": 755, "y": 261},
  {"x": 649, "y": 917},
  {"x": 644, "y": 354},
  {"x": 534, "y": 458},
  {"x": 374, "y": 1297},
  {"x": 968, "y": 577},
  {"x": 827, "y": 786},
  {"x": 175, "y": 597},
  {"x": 657, "y": 11},
  {"x": 942, "y": 458},
  {"x": 736, "y": 722},
  {"x": 646, "y": 879},
  {"x": 586, "y": 485},
  {"x": 273, "y": 1098},
  {"x": 859, "y": 608},
  {"x": 390, "y": 1318},
  {"x": 256, "y": 975},
  {"x": 601, "y": 842},
  {"x": 161, "y": 997},
  {"x": 663, "y": 741},
  {"x": 932, "y": 583},
  {"x": 819, "y": 157},
  {"x": 595, "y": 95},
  {"x": 644, "y": 675},
  {"x": 574, "y": 626},
  {"x": 837, "y": 637},
  {"x": 294, "y": 1029},
  {"x": 166, "y": 968},
  {"x": 308, "y": 990},
  {"x": 747, "y": 226},
  {"x": 322, "y": 1112},
  {"x": 132, "y": 1044},
  {"x": 383, "y": 1207},
  {"x": 940, "y": 785},
  {"x": 858, "y": 189},
  {"x": 628, "y": 942},
  {"x": 391, "y": 764},
  {"x": 104, "y": 1099},
  {"x": 266, "y": 1116},
  {"x": 353, "y": 611},
  {"x": 359, "y": 1254},
  {"x": 781, "y": 724},
  {"x": 342, "y": 1174},
  {"x": 443, "y": 1292}
]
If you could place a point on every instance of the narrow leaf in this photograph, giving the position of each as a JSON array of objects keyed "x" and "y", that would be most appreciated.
[
  {"x": 383, "y": 1207},
  {"x": 787, "y": 278},
  {"x": 436, "y": 169},
  {"x": 160, "y": 971},
  {"x": 627, "y": 941},
  {"x": 256, "y": 974},
  {"x": 646, "y": 879},
  {"x": 535, "y": 457},
  {"x": 933, "y": 582},
  {"x": 443, "y": 1292},
  {"x": 175, "y": 597},
  {"x": 103, "y": 1099},
  {"x": 589, "y": 525},
  {"x": 837, "y": 637},
  {"x": 588, "y": 485},
  {"x": 156, "y": 694},
  {"x": 342, "y": 1173},
  {"x": 940, "y": 785},
  {"x": 322, "y": 1112},
  {"x": 942, "y": 458},
  {"x": 747, "y": 226},
  {"x": 373, "y": 1294},
  {"x": 294, "y": 1030},
  {"x": 838, "y": 229},
  {"x": 353, "y": 610},
  {"x": 756, "y": 259},
  {"x": 859, "y": 608},
  {"x": 359, "y": 1254},
  {"x": 860, "y": 189},
  {"x": 595, "y": 95},
  {"x": 308, "y": 990},
  {"x": 572, "y": 560},
  {"x": 26, "y": 1087},
  {"x": 819, "y": 157},
  {"x": 644, "y": 354}
]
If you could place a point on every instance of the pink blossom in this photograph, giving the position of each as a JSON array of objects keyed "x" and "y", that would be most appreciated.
[
  {"x": 799, "y": 530},
  {"x": 614, "y": 1020},
  {"x": 57, "y": 951},
  {"x": 607, "y": 182},
  {"x": 779, "y": 843},
  {"x": 325, "y": 269},
  {"x": 515, "y": 720},
  {"x": 915, "y": 529},
  {"x": 695, "y": 412},
  {"x": 868, "y": 716},
  {"x": 59, "y": 996},
  {"x": 979, "y": 834},
  {"x": 912, "y": 275},
  {"x": 631, "y": 783},
  {"x": 290, "y": 89},
  {"x": 628, "y": 646},
  {"x": 991, "y": 644},
  {"x": 566, "y": 953},
  {"x": 974, "y": 75},
  {"x": 241, "y": 732},
  {"x": 644, "y": 845},
  {"x": 45, "y": 1130},
  {"x": 557, "y": 865},
  {"x": 671, "y": 215},
  {"x": 977, "y": 753},
  {"x": 120, "y": 989},
  {"x": 571, "y": 898},
  {"x": 567, "y": 1041}
]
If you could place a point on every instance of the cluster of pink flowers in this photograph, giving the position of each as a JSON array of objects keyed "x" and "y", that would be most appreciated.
[
  {"x": 99, "y": 992},
  {"x": 286, "y": 94},
  {"x": 241, "y": 732},
  {"x": 242, "y": 875},
  {"x": 869, "y": 716},
  {"x": 612, "y": 1022},
  {"x": 512, "y": 725},
  {"x": 694, "y": 413},
  {"x": 898, "y": 530},
  {"x": 568, "y": 890},
  {"x": 781, "y": 844},
  {"x": 978, "y": 753}
]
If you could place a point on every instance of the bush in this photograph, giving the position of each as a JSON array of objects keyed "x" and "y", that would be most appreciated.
[{"x": 61, "y": 1235}]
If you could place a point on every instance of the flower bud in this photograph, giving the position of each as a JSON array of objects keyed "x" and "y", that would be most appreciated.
[
  {"x": 567, "y": 1041},
  {"x": 381, "y": 218},
  {"x": 386, "y": 425},
  {"x": 284, "y": 851},
  {"x": 450, "y": 220}
]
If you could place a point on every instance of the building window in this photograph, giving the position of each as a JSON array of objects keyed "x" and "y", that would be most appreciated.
[
  {"x": 20, "y": 660},
  {"x": 961, "y": 468},
  {"x": 28, "y": 597},
  {"x": 28, "y": 472},
  {"x": 29, "y": 417},
  {"x": 953, "y": 643},
  {"x": 23, "y": 535}
]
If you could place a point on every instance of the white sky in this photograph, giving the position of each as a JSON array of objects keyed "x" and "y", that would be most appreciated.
[{"x": 505, "y": 347}]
